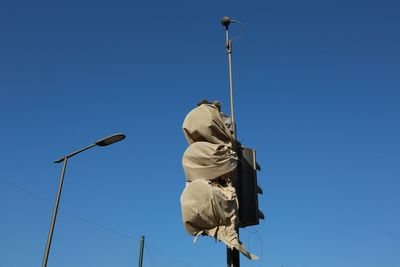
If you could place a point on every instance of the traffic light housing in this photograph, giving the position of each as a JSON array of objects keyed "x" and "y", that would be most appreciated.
[
  {"x": 209, "y": 204},
  {"x": 247, "y": 189}
]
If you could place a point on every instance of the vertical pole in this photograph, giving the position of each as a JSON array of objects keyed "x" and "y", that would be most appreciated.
[
  {"x": 232, "y": 255},
  {"x": 229, "y": 52},
  {"x": 141, "y": 250},
  {"x": 53, "y": 220}
]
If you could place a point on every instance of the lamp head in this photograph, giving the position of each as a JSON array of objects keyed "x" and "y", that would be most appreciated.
[{"x": 110, "y": 139}]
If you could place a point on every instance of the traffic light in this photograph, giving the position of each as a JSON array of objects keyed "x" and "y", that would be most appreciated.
[
  {"x": 247, "y": 189},
  {"x": 209, "y": 203}
]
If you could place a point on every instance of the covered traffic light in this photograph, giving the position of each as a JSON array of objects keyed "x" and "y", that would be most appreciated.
[{"x": 209, "y": 202}]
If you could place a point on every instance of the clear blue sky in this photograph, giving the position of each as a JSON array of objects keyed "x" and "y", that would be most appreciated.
[{"x": 316, "y": 93}]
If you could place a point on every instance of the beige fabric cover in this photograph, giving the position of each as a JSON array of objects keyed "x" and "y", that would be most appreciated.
[
  {"x": 217, "y": 218},
  {"x": 209, "y": 205},
  {"x": 204, "y": 123},
  {"x": 208, "y": 161}
]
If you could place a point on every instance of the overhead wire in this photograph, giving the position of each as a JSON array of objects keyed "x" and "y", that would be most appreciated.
[
  {"x": 71, "y": 213},
  {"x": 149, "y": 252},
  {"x": 170, "y": 255},
  {"x": 95, "y": 224}
]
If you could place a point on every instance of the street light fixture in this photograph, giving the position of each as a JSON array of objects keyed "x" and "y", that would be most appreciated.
[{"x": 103, "y": 142}]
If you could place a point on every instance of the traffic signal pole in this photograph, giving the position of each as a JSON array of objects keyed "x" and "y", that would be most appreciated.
[
  {"x": 229, "y": 52},
  {"x": 232, "y": 255}
]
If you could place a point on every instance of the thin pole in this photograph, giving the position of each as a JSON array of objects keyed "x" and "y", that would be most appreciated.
[
  {"x": 53, "y": 220},
  {"x": 232, "y": 255},
  {"x": 229, "y": 52},
  {"x": 141, "y": 250}
]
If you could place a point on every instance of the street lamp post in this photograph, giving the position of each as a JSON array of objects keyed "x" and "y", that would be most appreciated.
[{"x": 103, "y": 142}]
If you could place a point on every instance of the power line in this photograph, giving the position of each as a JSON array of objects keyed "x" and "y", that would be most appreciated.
[
  {"x": 78, "y": 217},
  {"x": 168, "y": 254},
  {"x": 71, "y": 213}
]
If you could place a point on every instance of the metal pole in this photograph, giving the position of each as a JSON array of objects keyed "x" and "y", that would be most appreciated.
[
  {"x": 103, "y": 142},
  {"x": 53, "y": 220},
  {"x": 232, "y": 255},
  {"x": 141, "y": 251},
  {"x": 229, "y": 52}
]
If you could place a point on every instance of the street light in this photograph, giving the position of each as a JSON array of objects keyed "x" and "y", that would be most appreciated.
[{"x": 103, "y": 142}]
